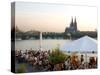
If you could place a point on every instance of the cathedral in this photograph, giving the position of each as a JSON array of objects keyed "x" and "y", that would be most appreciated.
[{"x": 72, "y": 28}]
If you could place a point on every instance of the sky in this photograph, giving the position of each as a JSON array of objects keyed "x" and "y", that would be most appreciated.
[{"x": 47, "y": 17}]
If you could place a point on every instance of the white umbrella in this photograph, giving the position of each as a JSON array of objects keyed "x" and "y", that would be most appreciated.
[{"x": 84, "y": 44}]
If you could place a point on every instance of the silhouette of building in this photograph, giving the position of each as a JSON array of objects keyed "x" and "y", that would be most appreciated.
[{"x": 73, "y": 27}]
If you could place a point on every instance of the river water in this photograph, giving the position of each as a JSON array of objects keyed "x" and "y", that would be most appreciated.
[{"x": 35, "y": 44}]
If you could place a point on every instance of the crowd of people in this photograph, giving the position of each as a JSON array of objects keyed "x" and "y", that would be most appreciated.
[
  {"x": 39, "y": 59},
  {"x": 34, "y": 58}
]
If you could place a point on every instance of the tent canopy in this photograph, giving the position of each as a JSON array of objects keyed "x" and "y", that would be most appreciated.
[{"x": 83, "y": 44}]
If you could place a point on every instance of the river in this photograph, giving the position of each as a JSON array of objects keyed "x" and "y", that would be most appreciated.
[{"x": 35, "y": 44}]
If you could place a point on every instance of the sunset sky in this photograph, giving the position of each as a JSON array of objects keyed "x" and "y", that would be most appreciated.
[{"x": 54, "y": 17}]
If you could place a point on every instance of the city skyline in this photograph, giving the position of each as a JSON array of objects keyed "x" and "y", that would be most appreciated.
[{"x": 54, "y": 17}]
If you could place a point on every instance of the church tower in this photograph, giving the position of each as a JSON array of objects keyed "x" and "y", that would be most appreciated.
[
  {"x": 71, "y": 28},
  {"x": 71, "y": 24},
  {"x": 75, "y": 24}
]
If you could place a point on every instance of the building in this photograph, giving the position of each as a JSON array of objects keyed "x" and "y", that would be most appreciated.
[{"x": 72, "y": 28}]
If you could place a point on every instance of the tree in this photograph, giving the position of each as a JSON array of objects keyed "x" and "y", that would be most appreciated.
[{"x": 57, "y": 56}]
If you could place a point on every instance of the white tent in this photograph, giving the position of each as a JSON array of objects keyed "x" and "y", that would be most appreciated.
[{"x": 84, "y": 44}]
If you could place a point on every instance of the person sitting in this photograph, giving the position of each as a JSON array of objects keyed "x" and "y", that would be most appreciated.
[
  {"x": 67, "y": 63},
  {"x": 74, "y": 62},
  {"x": 92, "y": 62},
  {"x": 49, "y": 67},
  {"x": 82, "y": 59}
]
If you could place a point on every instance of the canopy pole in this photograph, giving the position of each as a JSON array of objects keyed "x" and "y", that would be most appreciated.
[{"x": 86, "y": 59}]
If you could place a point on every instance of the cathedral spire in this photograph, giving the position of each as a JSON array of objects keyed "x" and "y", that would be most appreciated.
[
  {"x": 71, "y": 24},
  {"x": 75, "y": 20},
  {"x": 72, "y": 20},
  {"x": 75, "y": 24}
]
